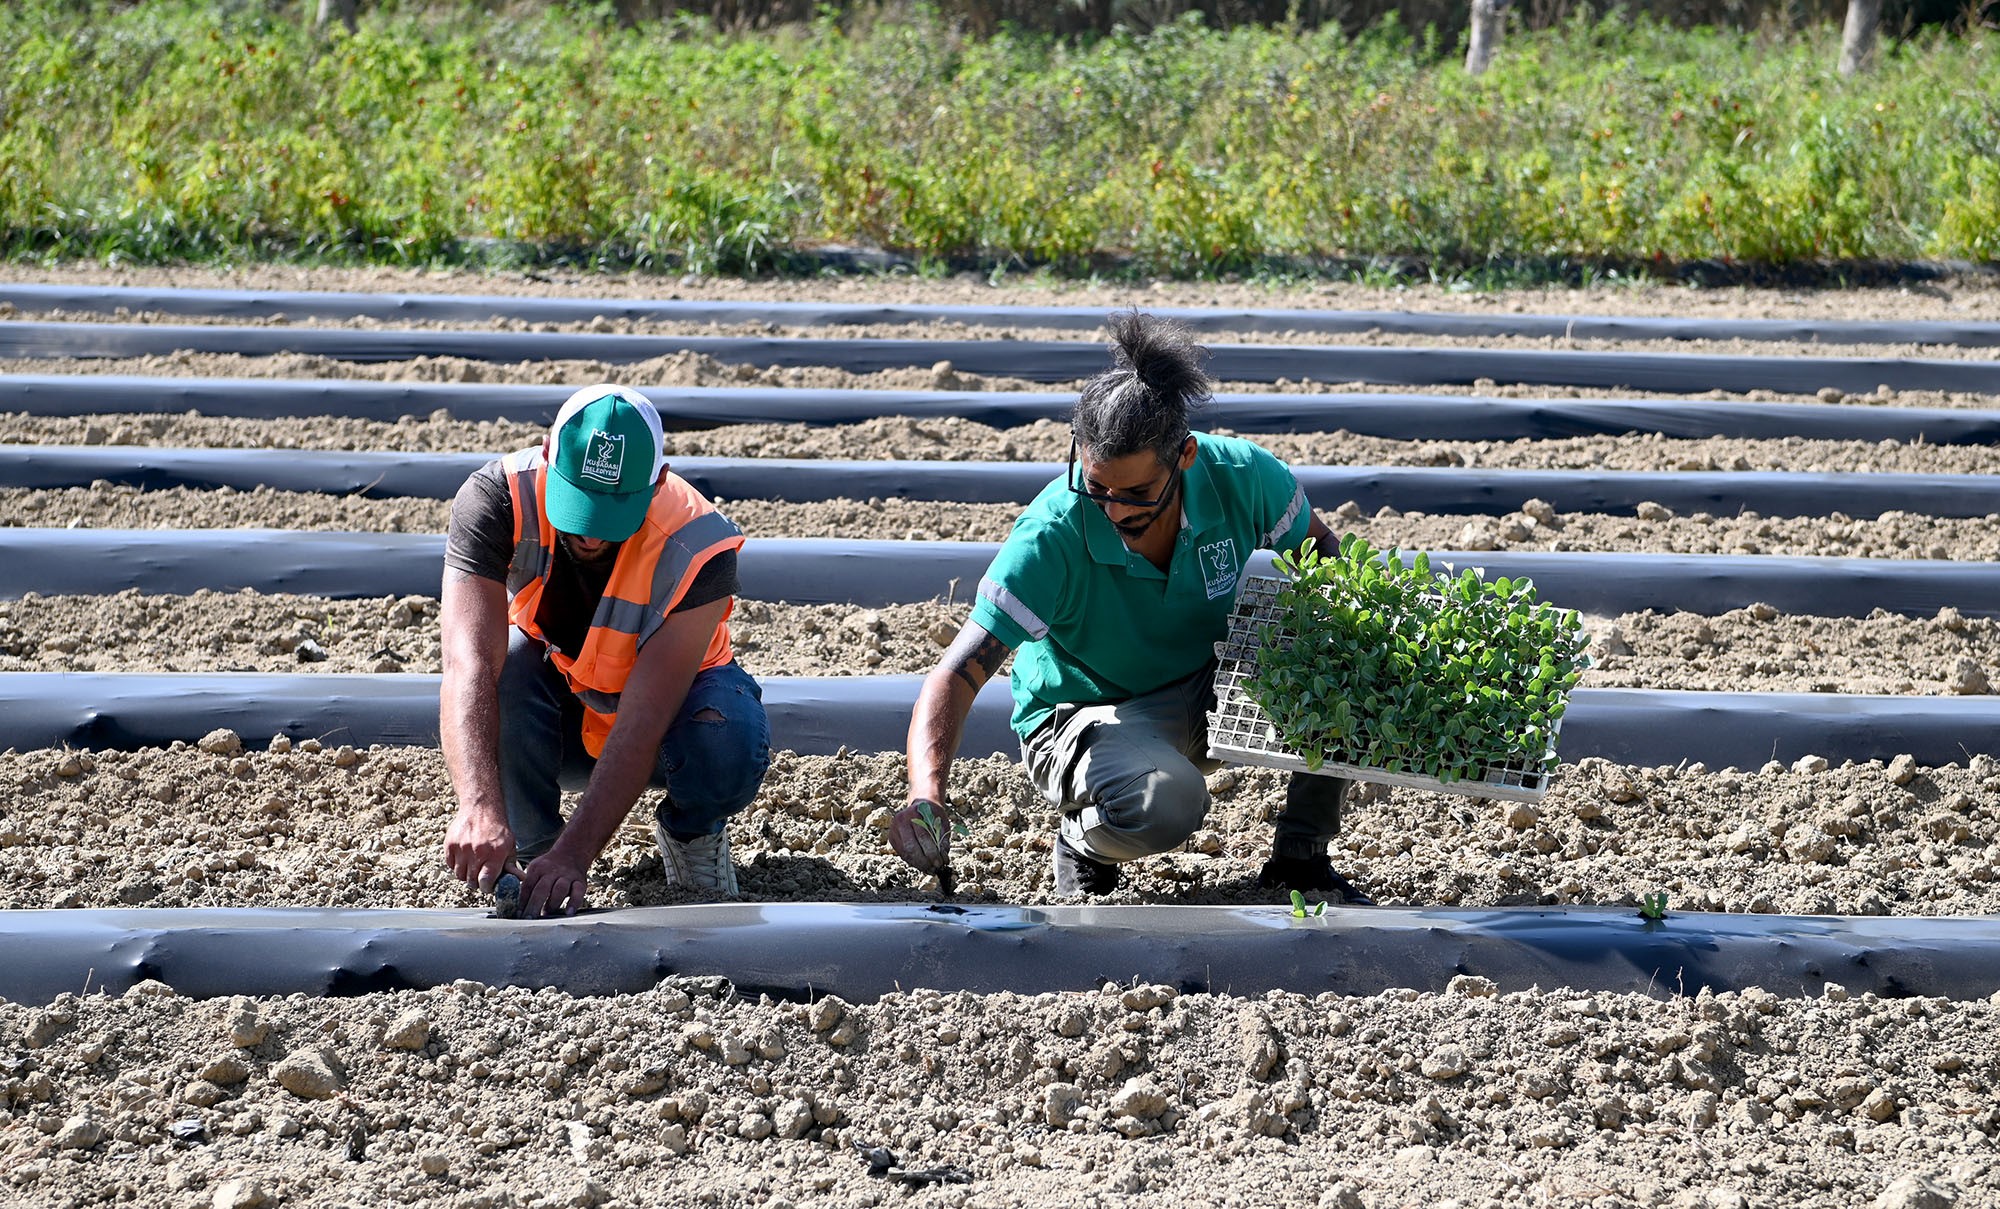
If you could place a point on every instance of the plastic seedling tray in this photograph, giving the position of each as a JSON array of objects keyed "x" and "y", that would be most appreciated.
[{"x": 1239, "y": 732}]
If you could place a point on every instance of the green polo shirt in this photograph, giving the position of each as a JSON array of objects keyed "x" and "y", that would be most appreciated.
[{"x": 1091, "y": 621}]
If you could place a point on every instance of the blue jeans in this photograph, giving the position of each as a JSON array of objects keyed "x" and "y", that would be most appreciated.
[{"x": 711, "y": 760}]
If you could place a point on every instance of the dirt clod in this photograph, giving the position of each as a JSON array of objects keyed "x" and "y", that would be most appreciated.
[
  {"x": 221, "y": 742},
  {"x": 308, "y": 1074}
]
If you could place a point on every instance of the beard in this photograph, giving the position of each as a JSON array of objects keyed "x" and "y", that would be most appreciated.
[
  {"x": 1137, "y": 527},
  {"x": 605, "y": 552}
]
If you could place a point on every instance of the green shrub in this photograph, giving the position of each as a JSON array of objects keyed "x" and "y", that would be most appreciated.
[
  {"x": 1375, "y": 663},
  {"x": 181, "y": 128}
]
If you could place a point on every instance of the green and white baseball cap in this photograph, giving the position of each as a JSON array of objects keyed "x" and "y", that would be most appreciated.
[{"x": 605, "y": 451}]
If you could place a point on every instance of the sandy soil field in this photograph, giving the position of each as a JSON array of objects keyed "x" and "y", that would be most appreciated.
[{"x": 1107, "y": 1096}]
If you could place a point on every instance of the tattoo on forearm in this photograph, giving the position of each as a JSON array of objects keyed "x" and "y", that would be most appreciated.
[{"x": 987, "y": 655}]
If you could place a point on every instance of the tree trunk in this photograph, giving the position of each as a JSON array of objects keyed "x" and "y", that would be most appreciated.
[
  {"x": 1857, "y": 37},
  {"x": 344, "y": 10},
  {"x": 1489, "y": 18}
]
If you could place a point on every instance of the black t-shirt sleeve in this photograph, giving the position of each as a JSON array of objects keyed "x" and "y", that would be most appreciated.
[
  {"x": 480, "y": 540},
  {"x": 715, "y": 580}
]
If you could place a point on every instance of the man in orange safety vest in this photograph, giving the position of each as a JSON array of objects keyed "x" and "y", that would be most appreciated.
[{"x": 587, "y": 591}]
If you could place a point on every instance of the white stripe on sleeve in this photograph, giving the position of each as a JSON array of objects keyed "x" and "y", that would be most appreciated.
[
  {"x": 1017, "y": 612},
  {"x": 1284, "y": 526}
]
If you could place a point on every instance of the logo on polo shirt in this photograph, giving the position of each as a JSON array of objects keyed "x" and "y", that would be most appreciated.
[
  {"x": 605, "y": 461},
  {"x": 1218, "y": 567}
]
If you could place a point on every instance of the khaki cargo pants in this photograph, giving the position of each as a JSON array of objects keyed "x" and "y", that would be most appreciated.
[{"x": 1130, "y": 777}]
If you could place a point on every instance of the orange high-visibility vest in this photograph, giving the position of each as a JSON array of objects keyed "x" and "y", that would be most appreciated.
[{"x": 654, "y": 569}]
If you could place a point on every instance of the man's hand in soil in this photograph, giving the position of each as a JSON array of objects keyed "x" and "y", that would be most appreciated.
[
  {"x": 553, "y": 883},
  {"x": 921, "y": 834},
  {"x": 479, "y": 847}
]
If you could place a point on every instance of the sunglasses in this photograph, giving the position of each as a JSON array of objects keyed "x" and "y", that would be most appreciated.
[{"x": 1105, "y": 497}]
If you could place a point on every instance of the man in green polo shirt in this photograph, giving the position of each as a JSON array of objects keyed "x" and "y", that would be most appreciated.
[{"x": 1112, "y": 590}]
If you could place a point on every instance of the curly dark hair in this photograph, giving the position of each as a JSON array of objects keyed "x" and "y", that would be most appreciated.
[{"x": 1149, "y": 395}]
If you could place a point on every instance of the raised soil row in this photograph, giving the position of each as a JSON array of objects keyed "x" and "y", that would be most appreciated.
[{"x": 688, "y": 1096}]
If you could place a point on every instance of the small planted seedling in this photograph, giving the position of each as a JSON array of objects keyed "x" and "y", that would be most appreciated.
[
  {"x": 1653, "y": 906},
  {"x": 1371, "y": 663},
  {"x": 1300, "y": 910}
]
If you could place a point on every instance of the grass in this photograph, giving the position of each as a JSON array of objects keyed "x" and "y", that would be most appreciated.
[{"x": 181, "y": 130}]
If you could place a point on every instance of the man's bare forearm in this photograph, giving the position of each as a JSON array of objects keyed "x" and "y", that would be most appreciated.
[
  {"x": 653, "y": 696},
  {"x": 468, "y": 697},
  {"x": 938, "y": 721},
  {"x": 936, "y": 726},
  {"x": 619, "y": 777},
  {"x": 470, "y": 730}
]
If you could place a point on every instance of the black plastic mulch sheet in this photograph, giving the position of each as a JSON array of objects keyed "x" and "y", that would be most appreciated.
[
  {"x": 1403, "y": 417},
  {"x": 804, "y": 480},
  {"x": 821, "y": 715},
  {"x": 860, "y": 952},
  {"x": 125, "y": 711},
  {"x": 96, "y": 562},
  {"x": 462, "y": 308},
  {"x": 1032, "y": 360}
]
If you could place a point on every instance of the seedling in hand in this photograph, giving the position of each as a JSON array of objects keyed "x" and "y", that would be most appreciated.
[
  {"x": 1653, "y": 906},
  {"x": 930, "y": 820},
  {"x": 934, "y": 824}
]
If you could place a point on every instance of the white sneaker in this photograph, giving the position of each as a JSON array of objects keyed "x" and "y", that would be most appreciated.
[{"x": 701, "y": 864}]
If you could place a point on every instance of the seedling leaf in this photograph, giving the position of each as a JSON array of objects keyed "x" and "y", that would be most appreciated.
[{"x": 1378, "y": 664}]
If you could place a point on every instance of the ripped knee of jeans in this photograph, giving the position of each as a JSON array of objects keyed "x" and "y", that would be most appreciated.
[{"x": 709, "y": 714}]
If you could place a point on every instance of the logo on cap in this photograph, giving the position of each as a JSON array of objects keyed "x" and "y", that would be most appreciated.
[{"x": 605, "y": 459}]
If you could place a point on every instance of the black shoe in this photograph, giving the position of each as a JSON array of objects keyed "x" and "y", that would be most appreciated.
[
  {"x": 1079, "y": 874},
  {"x": 1310, "y": 873}
]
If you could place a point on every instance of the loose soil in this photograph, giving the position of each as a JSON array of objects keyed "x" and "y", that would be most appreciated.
[
  {"x": 1972, "y": 298},
  {"x": 1116, "y": 1096},
  {"x": 952, "y": 439},
  {"x": 697, "y": 369},
  {"x": 1752, "y": 649},
  {"x": 475, "y": 1097},
  {"x": 949, "y": 330},
  {"x": 321, "y": 824},
  {"x": 1893, "y": 534},
  {"x": 1113, "y": 1096}
]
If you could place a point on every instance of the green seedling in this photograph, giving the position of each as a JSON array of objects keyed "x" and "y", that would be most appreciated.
[
  {"x": 934, "y": 823},
  {"x": 1653, "y": 906},
  {"x": 1301, "y": 911},
  {"x": 1372, "y": 662}
]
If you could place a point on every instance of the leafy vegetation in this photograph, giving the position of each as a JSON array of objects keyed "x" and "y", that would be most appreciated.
[
  {"x": 1653, "y": 907},
  {"x": 181, "y": 129},
  {"x": 1375, "y": 663}
]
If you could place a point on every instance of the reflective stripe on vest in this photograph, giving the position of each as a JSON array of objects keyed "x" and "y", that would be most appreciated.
[
  {"x": 531, "y": 559},
  {"x": 653, "y": 571}
]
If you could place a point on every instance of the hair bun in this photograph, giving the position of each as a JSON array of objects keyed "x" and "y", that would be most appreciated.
[
  {"x": 1161, "y": 354},
  {"x": 1145, "y": 400}
]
